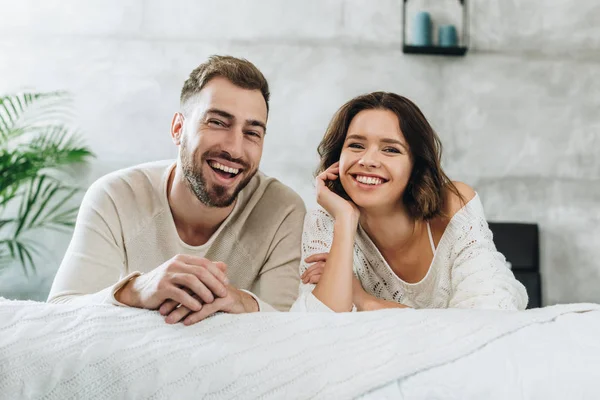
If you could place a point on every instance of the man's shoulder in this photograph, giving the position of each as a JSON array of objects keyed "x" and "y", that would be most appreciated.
[
  {"x": 136, "y": 184},
  {"x": 275, "y": 196}
]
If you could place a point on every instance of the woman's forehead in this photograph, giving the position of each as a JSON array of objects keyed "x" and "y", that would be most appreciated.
[{"x": 377, "y": 124}]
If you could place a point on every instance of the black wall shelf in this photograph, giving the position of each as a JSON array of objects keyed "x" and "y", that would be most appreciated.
[{"x": 439, "y": 50}]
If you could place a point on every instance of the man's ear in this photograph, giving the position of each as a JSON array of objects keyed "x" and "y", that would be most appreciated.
[{"x": 177, "y": 128}]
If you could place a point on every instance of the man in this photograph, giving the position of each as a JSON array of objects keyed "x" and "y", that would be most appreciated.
[{"x": 207, "y": 233}]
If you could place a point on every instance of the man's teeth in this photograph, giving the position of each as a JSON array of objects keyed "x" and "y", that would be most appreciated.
[
  {"x": 222, "y": 167},
  {"x": 369, "y": 180}
]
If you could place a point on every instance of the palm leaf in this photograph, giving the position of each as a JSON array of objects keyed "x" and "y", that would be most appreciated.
[
  {"x": 14, "y": 107},
  {"x": 35, "y": 145}
]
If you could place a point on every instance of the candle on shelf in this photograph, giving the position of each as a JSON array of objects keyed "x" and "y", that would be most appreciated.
[
  {"x": 422, "y": 29},
  {"x": 447, "y": 36}
]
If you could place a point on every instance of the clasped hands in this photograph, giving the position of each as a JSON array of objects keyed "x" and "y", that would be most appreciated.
[{"x": 186, "y": 288}]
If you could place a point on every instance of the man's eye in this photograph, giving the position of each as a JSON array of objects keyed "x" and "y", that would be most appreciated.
[
  {"x": 216, "y": 122},
  {"x": 253, "y": 133}
]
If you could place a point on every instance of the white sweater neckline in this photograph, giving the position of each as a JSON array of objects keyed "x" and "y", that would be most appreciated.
[{"x": 457, "y": 218}]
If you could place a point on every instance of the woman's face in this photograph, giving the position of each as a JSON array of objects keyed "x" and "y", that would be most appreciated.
[{"x": 375, "y": 163}]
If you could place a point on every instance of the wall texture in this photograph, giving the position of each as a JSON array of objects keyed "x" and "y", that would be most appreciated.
[{"x": 519, "y": 115}]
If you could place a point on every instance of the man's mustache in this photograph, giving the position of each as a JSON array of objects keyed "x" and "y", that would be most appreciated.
[{"x": 225, "y": 156}]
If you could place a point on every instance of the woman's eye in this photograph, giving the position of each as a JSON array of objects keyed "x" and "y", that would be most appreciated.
[
  {"x": 355, "y": 145},
  {"x": 391, "y": 150}
]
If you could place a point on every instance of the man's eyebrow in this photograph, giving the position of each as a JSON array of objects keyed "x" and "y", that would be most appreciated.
[
  {"x": 222, "y": 113},
  {"x": 255, "y": 122}
]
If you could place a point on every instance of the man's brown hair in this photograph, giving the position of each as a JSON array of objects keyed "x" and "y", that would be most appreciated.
[
  {"x": 424, "y": 196},
  {"x": 238, "y": 71}
]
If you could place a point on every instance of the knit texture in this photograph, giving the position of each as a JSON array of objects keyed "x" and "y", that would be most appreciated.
[
  {"x": 466, "y": 272},
  {"x": 56, "y": 351}
]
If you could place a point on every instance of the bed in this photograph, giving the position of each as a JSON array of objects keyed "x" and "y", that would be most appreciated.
[{"x": 52, "y": 351}]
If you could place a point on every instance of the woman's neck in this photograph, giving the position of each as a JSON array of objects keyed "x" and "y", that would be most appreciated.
[{"x": 391, "y": 229}]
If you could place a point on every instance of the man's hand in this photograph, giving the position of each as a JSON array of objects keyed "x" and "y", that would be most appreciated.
[
  {"x": 235, "y": 302},
  {"x": 183, "y": 279}
]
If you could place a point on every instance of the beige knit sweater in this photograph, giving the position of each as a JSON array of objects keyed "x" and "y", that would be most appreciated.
[{"x": 125, "y": 227}]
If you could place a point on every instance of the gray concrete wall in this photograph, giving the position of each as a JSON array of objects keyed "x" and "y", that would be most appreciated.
[{"x": 519, "y": 115}]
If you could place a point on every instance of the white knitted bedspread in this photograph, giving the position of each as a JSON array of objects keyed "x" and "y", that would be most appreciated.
[{"x": 52, "y": 351}]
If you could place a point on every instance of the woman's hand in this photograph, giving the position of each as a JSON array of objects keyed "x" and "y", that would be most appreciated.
[
  {"x": 314, "y": 272},
  {"x": 334, "y": 204}
]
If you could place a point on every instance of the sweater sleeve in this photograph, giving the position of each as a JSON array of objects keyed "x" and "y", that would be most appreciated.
[
  {"x": 93, "y": 267},
  {"x": 480, "y": 277},
  {"x": 275, "y": 288},
  {"x": 317, "y": 237}
]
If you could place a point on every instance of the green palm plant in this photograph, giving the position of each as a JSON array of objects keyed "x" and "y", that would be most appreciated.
[{"x": 38, "y": 151}]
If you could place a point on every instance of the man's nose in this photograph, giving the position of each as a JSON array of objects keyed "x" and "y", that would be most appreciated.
[{"x": 234, "y": 143}]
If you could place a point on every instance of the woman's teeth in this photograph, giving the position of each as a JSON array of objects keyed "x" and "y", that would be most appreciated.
[
  {"x": 222, "y": 167},
  {"x": 369, "y": 180}
]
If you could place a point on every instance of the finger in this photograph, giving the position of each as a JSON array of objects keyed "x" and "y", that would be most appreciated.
[
  {"x": 334, "y": 165},
  {"x": 314, "y": 268},
  {"x": 182, "y": 297},
  {"x": 168, "y": 306},
  {"x": 322, "y": 177},
  {"x": 198, "y": 288},
  {"x": 222, "y": 266},
  {"x": 193, "y": 263},
  {"x": 313, "y": 258},
  {"x": 315, "y": 279},
  {"x": 315, "y": 271},
  {"x": 218, "y": 268},
  {"x": 207, "y": 277},
  {"x": 177, "y": 315},
  {"x": 206, "y": 312},
  {"x": 219, "y": 274}
]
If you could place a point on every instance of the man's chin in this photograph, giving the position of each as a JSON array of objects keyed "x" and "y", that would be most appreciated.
[
  {"x": 224, "y": 195},
  {"x": 222, "y": 199}
]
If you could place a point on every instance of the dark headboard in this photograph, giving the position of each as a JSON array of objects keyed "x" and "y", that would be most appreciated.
[{"x": 519, "y": 242}]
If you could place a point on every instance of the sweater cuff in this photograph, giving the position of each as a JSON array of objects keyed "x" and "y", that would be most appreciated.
[
  {"x": 307, "y": 302},
  {"x": 110, "y": 298},
  {"x": 262, "y": 306}
]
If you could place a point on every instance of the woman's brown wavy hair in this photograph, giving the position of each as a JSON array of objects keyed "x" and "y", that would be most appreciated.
[{"x": 424, "y": 194}]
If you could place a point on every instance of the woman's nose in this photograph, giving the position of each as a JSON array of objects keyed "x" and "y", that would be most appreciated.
[{"x": 369, "y": 160}]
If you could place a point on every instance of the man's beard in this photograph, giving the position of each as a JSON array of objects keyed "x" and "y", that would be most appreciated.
[{"x": 218, "y": 195}]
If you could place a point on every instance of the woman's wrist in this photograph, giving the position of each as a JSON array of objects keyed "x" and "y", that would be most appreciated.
[{"x": 347, "y": 221}]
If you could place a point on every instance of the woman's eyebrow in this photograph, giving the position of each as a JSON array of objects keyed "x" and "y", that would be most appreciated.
[
  {"x": 355, "y": 136},
  {"x": 393, "y": 141}
]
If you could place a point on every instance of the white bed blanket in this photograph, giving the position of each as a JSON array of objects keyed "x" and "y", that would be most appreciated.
[
  {"x": 558, "y": 360},
  {"x": 65, "y": 351}
]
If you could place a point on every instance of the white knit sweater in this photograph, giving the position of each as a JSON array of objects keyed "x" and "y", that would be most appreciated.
[{"x": 466, "y": 272}]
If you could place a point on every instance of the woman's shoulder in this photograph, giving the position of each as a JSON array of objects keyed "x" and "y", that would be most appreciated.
[{"x": 454, "y": 202}]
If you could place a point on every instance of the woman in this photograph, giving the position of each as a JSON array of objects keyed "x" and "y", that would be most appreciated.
[{"x": 394, "y": 231}]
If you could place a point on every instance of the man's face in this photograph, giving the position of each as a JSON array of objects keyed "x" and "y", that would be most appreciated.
[{"x": 221, "y": 140}]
